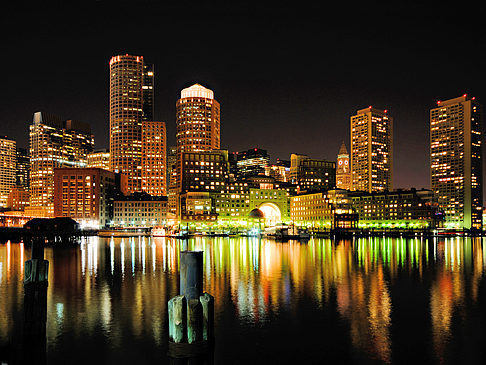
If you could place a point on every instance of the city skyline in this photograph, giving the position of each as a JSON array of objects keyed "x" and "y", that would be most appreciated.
[{"x": 267, "y": 77}]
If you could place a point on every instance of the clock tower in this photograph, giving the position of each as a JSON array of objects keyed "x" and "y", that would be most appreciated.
[{"x": 343, "y": 171}]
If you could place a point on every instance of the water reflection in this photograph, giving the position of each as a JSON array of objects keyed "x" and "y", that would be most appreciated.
[{"x": 115, "y": 290}]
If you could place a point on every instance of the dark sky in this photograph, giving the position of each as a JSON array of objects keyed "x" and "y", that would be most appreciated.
[{"x": 288, "y": 76}]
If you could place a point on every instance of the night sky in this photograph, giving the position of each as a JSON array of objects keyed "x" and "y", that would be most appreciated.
[{"x": 288, "y": 79}]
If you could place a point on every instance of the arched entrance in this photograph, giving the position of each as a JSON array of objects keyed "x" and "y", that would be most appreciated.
[{"x": 271, "y": 214}]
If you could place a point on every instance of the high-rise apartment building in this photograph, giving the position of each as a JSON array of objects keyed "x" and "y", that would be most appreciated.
[
  {"x": 197, "y": 124},
  {"x": 8, "y": 158},
  {"x": 372, "y": 150},
  {"x": 154, "y": 162},
  {"x": 99, "y": 159},
  {"x": 343, "y": 170},
  {"x": 131, "y": 102},
  {"x": 54, "y": 143},
  {"x": 455, "y": 161}
]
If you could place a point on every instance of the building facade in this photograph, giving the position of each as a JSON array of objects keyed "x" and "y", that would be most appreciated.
[
  {"x": 154, "y": 160},
  {"x": 343, "y": 169},
  {"x": 8, "y": 167},
  {"x": 18, "y": 198},
  {"x": 372, "y": 150},
  {"x": 455, "y": 161},
  {"x": 99, "y": 159},
  {"x": 54, "y": 143},
  {"x": 312, "y": 174},
  {"x": 84, "y": 194},
  {"x": 131, "y": 102},
  {"x": 140, "y": 210},
  {"x": 172, "y": 179},
  {"x": 251, "y": 162},
  {"x": 23, "y": 168}
]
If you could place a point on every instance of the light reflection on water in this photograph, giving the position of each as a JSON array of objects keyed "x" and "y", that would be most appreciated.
[{"x": 115, "y": 290}]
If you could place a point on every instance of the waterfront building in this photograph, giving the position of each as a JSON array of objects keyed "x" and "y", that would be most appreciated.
[
  {"x": 251, "y": 162},
  {"x": 8, "y": 157},
  {"x": 397, "y": 209},
  {"x": 197, "y": 207},
  {"x": 85, "y": 194},
  {"x": 455, "y": 161},
  {"x": 140, "y": 210},
  {"x": 99, "y": 159},
  {"x": 22, "y": 177},
  {"x": 18, "y": 198},
  {"x": 154, "y": 162},
  {"x": 172, "y": 179},
  {"x": 54, "y": 143},
  {"x": 323, "y": 210},
  {"x": 312, "y": 174},
  {"x": 372, "y": 150},
  {"x": 343, "y": 170},
  {"x": 131, "y": 102}
]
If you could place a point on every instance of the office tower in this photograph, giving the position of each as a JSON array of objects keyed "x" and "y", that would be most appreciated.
[
  {"x": 99, "y": 159},
  {"x": 84, "y": 194},
  {"x": 154, "y": 163},
  {"x": 54, "y": 143},
  {"x": 131, "y": 102},
  {"x": 252, "y": 162},
  {"x": 372, "y": 150},
  {"x": 343, "y": 170},
  {"x": 280, "y": 171},
  {"x": 172, "y": 179},
  {"x": 455, "y": 161},
  {"x": 8, "y": 158},
  {"x": 22, "y": 175},
  {"x": 312, "y": 174}
]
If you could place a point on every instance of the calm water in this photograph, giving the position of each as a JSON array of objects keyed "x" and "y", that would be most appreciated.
[{"x": 367, "y": 301}]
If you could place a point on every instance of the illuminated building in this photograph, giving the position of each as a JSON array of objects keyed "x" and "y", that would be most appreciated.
[
  {"x": 312, "y": 174},
  {"x": 203, "y": 171},
  {"x": 131, "y": 102},
  {"x": 323, "y": 210},
  {"x": 196, "y": 206},
  {"x": 54, "y": 143},
  {"x": 372, "y": 150},
  {"x": 251, "y": 162},
  {"x": 18, "y": 198},
  {"x": 197, "y": 122},
  {"x": 84, "y": 195},
  {"x": 23, "y": 168},
  {"x": 154, "y": 163},
  {"x": 99, "y": 159},
  {"x": 7, "y": 168},
  {"x": 140, "y": 210},
  {"x": 280, "y": 171},
  {"x": 397, "y": 209},
  {"x": 172, "y": 179},
  {"x": 343, "y": 170},
  {"x": 455, "y": 161}
]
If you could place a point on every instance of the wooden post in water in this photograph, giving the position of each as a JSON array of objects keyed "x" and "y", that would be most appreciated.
[
  {"x": 191, "y": 314},
  {"x": 35, "y": 304}
]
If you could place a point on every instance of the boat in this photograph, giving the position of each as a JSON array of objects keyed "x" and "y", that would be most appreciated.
[
  {"x": 124, "y": 232},
  {"x": 285, "y": 232}
]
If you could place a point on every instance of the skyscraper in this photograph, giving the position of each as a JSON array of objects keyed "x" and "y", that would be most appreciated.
[
  {"x": 99, "y": 159},
  {"x": 23, "y": 168},
  {"x": 343, "y": 170},
  {"x": 131, "y": 102},
  {"x": 7, "y": 168},
  {"x": 54, "y": 143},
  {"x": 172, "y": 179},
  {"x": 311, "y": 173},
  {"x": 197, "y": 122},
  {"x": 154, "y": 162},
  {"x": 455, "y": 161},
  {"x": 252, "y": 162},
  {"x": 372, "y": 150}
]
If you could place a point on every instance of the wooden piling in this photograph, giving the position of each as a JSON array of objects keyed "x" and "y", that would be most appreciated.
[{"x": 207, "y": 303}]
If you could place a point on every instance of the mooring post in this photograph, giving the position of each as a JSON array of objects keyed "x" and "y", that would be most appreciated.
[
  {"x": 35, "y": 302},
  {"x": 191, "y": 314}
]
